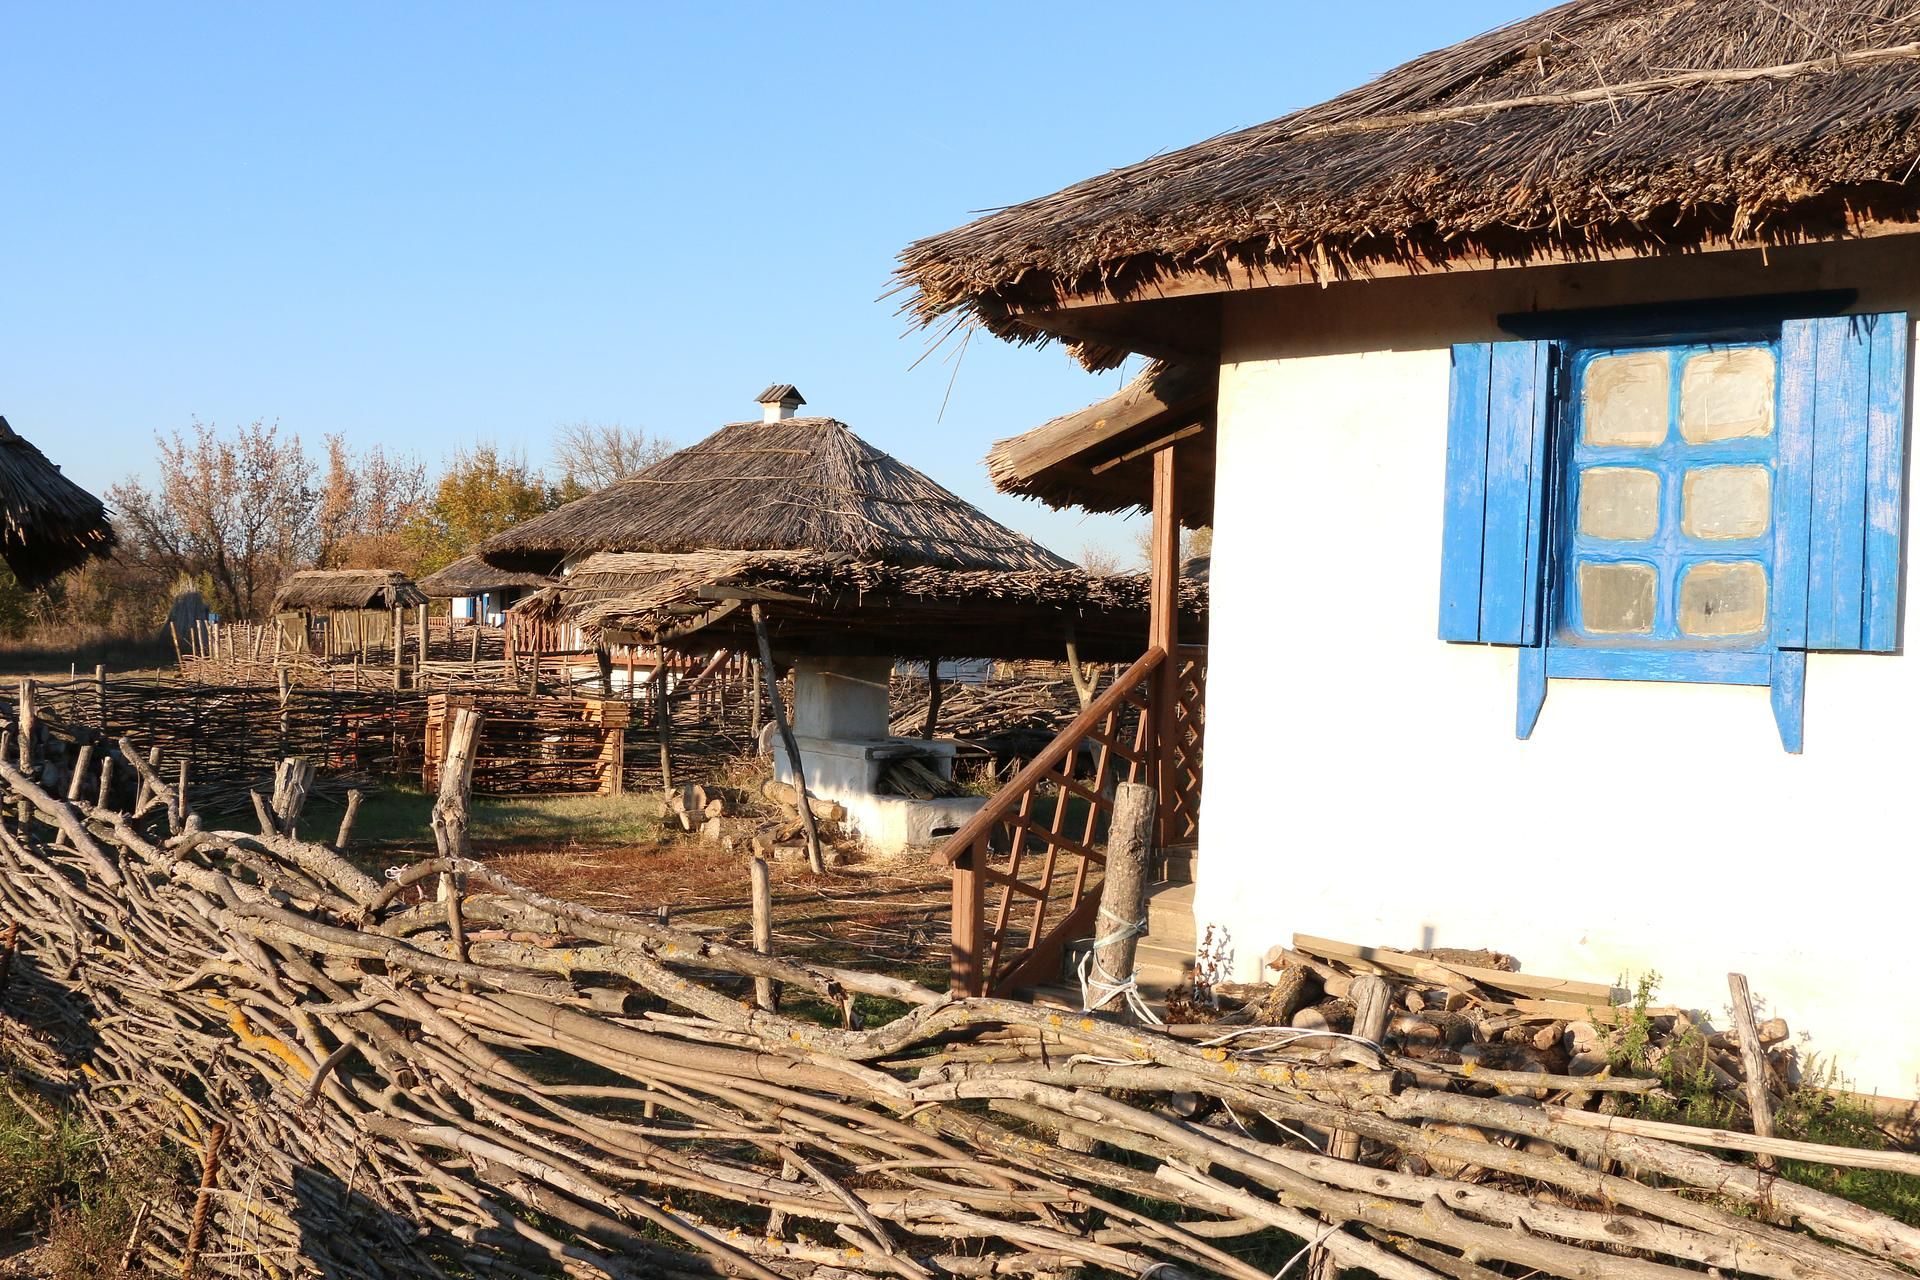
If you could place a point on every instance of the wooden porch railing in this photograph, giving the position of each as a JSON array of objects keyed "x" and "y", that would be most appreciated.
[
  {"x": 1045, "y": 826},
  {"x": 1182, "y": 748}
]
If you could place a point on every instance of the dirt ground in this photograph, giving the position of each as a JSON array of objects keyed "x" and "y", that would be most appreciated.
[{"x": 887, "y": 915}]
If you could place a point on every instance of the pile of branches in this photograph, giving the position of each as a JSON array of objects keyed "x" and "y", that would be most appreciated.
[
  {"x": 443, "y": 1073},
  {"x": 986, "y": 710}
]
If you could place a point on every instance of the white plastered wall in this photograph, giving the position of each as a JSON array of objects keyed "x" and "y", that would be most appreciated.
[{"x": 1363, "y": 778}]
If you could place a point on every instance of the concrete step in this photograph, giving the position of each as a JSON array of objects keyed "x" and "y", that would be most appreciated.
[
  {"x": 1178, "y": 863},
  {"x": 1170, "y": 915},
  {"x": 1165, "y": 963}
]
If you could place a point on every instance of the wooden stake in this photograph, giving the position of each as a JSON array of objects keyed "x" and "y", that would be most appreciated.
[
  {"x": 815, "y": 859},
  {"x": 100, "y": 693},
  {"x": 80, "y": 763},
  {"x": 1123, "y": 896},
  {"x": 452, "y": 816},
  {"x": 1754, "y": 1059},
  {"x": 26, "y": 725},
  {"x": 345, "y": 836},
  {"x": 764, "y": 996},
  {"x": 1372, "y": 998}
]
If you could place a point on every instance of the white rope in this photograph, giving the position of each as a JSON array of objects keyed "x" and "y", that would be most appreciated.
[
  {"x": 1098, "y": 987},
  {"x": 1306, "y": 1249}
]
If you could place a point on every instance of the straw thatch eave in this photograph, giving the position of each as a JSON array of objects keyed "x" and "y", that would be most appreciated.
[
  {"x": 840, "y": 605},
  {"x": 48, "y": 524},
  {"x": 313, "y": 590},
  {"x": 472, "y": 576},
  {"x": 797, "y": 484},
  {"x": 1595, "y": 129},
  {"x": 1100, "y": 458}
]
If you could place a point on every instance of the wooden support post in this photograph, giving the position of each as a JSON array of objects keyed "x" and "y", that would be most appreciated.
[
  {"x": 967, "y": 971},
  {"x": 421, "y": 658},
  {"x": 473, "y": 659},
  {"x": 764, "y": 996},
  {"x": 1108, "y": 978},
  {"x": 753, "y": 682},
  {"x": 815, "y": 858},
  {"x": 1163, "y": 625},
  {"x": 604, "y": 658},
  {"x": 933, "y": 698},
  {"x": 1753, "y": 1059},
  {"x": 100, "y": 696},
  {"x": 663, "y": 723},
  {"x": 399, "y": 643},
  {"x": 1085, "y": 684}
]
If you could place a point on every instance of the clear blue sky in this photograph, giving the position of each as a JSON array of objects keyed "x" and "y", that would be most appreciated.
[{"x": 430, "y": 224}]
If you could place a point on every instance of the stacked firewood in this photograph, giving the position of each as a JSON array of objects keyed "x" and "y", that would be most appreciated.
[{"x": 441, "y": 1072}]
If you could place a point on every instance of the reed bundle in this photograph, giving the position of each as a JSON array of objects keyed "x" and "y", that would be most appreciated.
[{"x": 444, "y": 1073}]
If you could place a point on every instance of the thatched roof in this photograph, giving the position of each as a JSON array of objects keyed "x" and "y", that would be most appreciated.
[
  {"x": 799, "y": 484},
  {"x": 316, "y": 589},
  {"x": 1598, "y": 126},
  {"x": 48, "y": 524},
  {"x": 842, "y": 605},
  {"x": 471, "y": 576},
  {"x": 1100, "y": 458}
]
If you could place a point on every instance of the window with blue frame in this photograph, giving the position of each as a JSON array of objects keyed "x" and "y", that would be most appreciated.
[
  {"x": 1666, "y": 529},
  {"x": 1704, "y": 507}
]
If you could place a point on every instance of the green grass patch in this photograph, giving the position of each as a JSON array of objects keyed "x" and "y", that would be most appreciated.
[
  {"x": 401, "y": 816},
  {"x": 60, "y": 1183}
]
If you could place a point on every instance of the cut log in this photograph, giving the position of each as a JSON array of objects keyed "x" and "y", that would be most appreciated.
[{"x": 1107, "y": 980}]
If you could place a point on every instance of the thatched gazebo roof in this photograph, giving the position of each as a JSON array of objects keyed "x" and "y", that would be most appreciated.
[
  {"x": 48, "y": 524},
  {"x": 841, "y": 605},
  {"x": 472, "y": 576},
  {"x": 321, "y": 589},
  {"x": 1596, "y": 128},
  {"x": 796, "y": 484}
]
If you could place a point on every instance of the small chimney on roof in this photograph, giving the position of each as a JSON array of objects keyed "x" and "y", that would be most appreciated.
[{"x": 779, "y": 401}]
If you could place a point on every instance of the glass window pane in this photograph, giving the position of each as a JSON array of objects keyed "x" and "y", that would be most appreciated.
[
  {"x": 1617, "y": 599},
  {"x": 1725, "y": 395},
  {"x": 1724, "y": 598},
  {"x": 1619, "y": 503},
  {"x": 1726, "y": 502},
  {"x": 1624, "y": 400}
]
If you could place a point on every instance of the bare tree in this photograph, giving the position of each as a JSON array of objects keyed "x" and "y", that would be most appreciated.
[
  {"x": 236, "y": 507},
  {"x": 592, "y": 455},
  {"x": 365, "y": 502},
  {"x": 1099, "y": 561}
]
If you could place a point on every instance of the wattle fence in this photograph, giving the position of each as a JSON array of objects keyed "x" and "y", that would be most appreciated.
[{"x": 441, "y": 1073}]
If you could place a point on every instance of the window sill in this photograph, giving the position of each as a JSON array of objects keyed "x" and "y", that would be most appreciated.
[{"x": 1783, "y": 671}]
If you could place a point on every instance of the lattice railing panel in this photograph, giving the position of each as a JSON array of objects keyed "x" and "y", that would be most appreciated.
[{"x": 1023, "y": 866}]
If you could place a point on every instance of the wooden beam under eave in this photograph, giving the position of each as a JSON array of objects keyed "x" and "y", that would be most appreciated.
[{"x": 1238, "y": 278}]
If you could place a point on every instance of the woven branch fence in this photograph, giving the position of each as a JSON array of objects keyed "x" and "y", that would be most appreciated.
[{"x": 442, "y": 1073}]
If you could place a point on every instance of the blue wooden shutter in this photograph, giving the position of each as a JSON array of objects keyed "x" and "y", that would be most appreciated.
[
  {"x": 1491, "y": 571},
  {"x": 1838, "y": 491}
]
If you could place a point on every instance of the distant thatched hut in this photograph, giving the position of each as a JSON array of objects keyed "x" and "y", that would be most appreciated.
[
  {"x": 479, "y": 592},
  {"x": 48, "y": 524},
  {"x": 843, "y": 558},
  {"x": 337, "y": 611}
]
